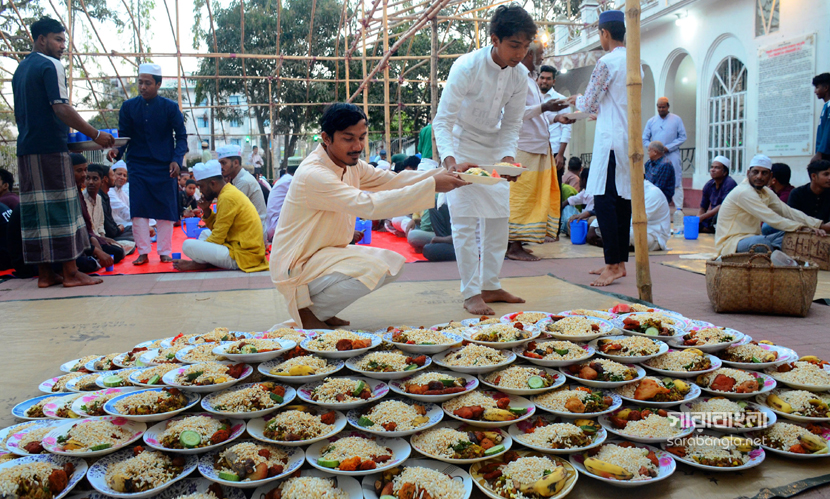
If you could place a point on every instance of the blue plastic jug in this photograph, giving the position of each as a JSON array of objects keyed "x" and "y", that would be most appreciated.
[
  {"x": 691, "y": 227},
  {"x": 190, "y": 227},
  {"x": 579, "y": 231},
  {"x": 366, "y": 227}
]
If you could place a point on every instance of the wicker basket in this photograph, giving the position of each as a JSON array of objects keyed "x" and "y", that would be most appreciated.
[
  {"x": 749, "y": 283},
  {"x": 809, "y": 247}
]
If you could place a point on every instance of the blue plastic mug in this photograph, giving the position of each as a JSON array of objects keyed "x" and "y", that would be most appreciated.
[
  {"x": 691, "y": 226},
  {"x": 579, "y": 232}
]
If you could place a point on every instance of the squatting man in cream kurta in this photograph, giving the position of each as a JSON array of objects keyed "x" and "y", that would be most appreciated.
[{"x": 312, "y": 263}]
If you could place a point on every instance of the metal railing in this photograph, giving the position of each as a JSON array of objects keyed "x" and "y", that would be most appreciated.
[{"x": 687, "y": 158}]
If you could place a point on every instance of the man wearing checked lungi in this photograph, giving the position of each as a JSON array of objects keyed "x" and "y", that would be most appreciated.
[
  {"x": 52, "y": 224},
  {"x": 154, "y": 155}
]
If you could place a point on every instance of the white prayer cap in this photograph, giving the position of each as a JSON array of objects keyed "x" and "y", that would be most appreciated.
[
  {"x": 149, "y": 69},
  {"x": 119, "y": 164},
  {"x": 761, "y": 161},
  {"x": 197, "y": 165},
  {"x": 723, "y": 160},
  {"x": 229, "y": 151},
  {"x": 202, "y": 171}
]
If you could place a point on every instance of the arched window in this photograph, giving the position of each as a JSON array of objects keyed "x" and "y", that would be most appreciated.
[{"x": 727, "y": 113}]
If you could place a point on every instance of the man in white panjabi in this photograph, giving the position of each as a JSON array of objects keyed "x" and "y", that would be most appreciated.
[
  {"x": 312, "y": 263},
  {"x": 477, "y": 123}
]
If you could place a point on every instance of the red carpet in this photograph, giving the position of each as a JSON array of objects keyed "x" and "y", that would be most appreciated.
[{"x": 399, "y": 245}]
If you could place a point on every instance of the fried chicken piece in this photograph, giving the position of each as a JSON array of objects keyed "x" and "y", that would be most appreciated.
[
  {"x": 390, "y": 426},
  {"x": 587, "y": 373},
  {"x": 363, "y": 343},
  {"x": 648, "y": 389},
  {"x": 343, "y": 345},
  {"x": 350, "y": 464},
  {"x": 575, "y": 405},
  {"x": 367, "y": 465},
  {"x": 58, "y": 481},
  {"x": 747, "y": 387},
  {"x": 407, "y": 491},
  {"x": 503, "y": 403},
  {"x": 328, "y": 418},
  {"x": 220, "y": 436}
]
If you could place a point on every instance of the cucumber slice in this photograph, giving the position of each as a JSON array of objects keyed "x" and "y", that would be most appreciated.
[
  {"x": 190, "y": 439},
  {"x": 536, "y": 382},
  {"x": 519, "y": 411},
  {"x": 448, "y": 382},
  {"x": 494, "y": 450},
  {"x": 388, "y": 497},
  {"x": 364, "y": 421},
  {"x": 138, "y": 363},
  {"x": 328, "y": 463},
  {"x": 563, "y": 352},
  {"x": 411, "y": 367},
  {"x": 112, "y": 381},
  {"x": 154, "y": 380},
  {"x": 98, "y": 447},
  {"x": 276, "y": 398},
  {"x": 361, "y": 385},
  {"x": 652, "y": 331},
  {"x": 230, "y": 477}
]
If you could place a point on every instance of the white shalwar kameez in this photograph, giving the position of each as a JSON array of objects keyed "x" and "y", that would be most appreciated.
[{"x": 478, "y": 121}]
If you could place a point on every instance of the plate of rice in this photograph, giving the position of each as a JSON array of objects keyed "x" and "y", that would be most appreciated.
[
  {"x": 528, "y": 319},
  {"x": 526, "y": 470},
  {"x": 802, "y": 375},
  {"x": 651, "y": 324},
  {"x": 130, "y": 359},
  {"x": 159, "y": 356},
  {"x": 32, "y": 409},
  {"x": 523, "y": 380},
  {"x": 357, "y": 453},
  {"x": 552, "y": 435},
  {"x": 155, "y": 374},
  {"x": 728, "y": 416},
  {"x": 434, "y": 386},
  {"x": 659, "y": 392},
  {"x": 626, "y": 464},
  {"x": 286, "y": 333},
  {"x": 58, "y": 383},
  {"x": 207, "y": 377},
  {"x": 85, "y": 383},
  {"x": 395, "y": 417},
  {"x": 575, "y": 328},
  {"x": 90, "y": 405},
  {"x": 61, "y": 408},
  {"x": 195, "y": 354},
  {"x": 343, "y": 393},
  {"x": 249, "y": 400},
  {"x": 645, "y": 425},
  {"x": 713, "y": 452},
  {"x": 7, "y": 432},
  {"x": 102, "y": 363},
  {"x": 735, "y": 383},
  {"x": 481, "y": 321},
  {"x": 474, "y": 359},
  {"x": 247, "y": 464},
  {"x": 27, "y": 440},
  {"x": 108, "y": 379},
  {"x": 598, "y": 314},
  {"x": 603, "y": 373},
  {"x": 179, "y": 340},
  {"x": 417, "y": 478},
  {"x": 254, "y": 350},
  {"x": 151, "y": 404},
  {"x": 577, "y": 402},
  {"x": 500, "y": 336},
  {"x": 796, "y": 440},
  {"x": 753, "y": 355},
  {"x": 150, "y": 343},
  {"x": 341, "y": 344},
  {"x": 627, "y": 348},
  {"x": 687, "y": 363},
  {"x": 297, "y": 425},
  {"x": 798, "y": 405},
  {"x": 460, "y": 443},
  {"x": 93, "y": 437},
  {"x": 193, "y": 433},
  {"x": 489, "y": 408},
  {"x": 218, "y": 335},
  {"x": 555, "y": 353},
  {"x": 388, "y": 364},
  {"x": 189, "y": 488},
  {"x": 426, "y": 341},
  {"x": 707, "y": 339},
  {"x": 132, "y": 473},
  {"x": 301, "y": 370},
  {"x": 312, "y": 484},
  {"x": 669, "y": 318},
  {"x": 33, "y": 472},
  {"x": 79, "y": 364}
]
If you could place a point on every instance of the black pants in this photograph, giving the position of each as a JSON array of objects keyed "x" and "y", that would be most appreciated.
[{"x": 614, "y": 218}]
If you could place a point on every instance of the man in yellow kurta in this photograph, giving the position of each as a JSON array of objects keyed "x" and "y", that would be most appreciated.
[
  {"x": 233, "y": 239},
  {"x": 312, "y": 263}
]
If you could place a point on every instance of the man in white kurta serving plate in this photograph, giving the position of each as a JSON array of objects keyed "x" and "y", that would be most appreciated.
[
  {"x": 478, "y": 123},
  {"x": 609, "y": 180}
]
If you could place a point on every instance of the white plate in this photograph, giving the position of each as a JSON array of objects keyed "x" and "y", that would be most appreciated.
[
  {"x": 554, "y": 363},
  {"x": 511, "y": 318},
  {"x": 516, "y": 402},
  {"x": 376, "y": 341},
  {"x": 603, "y": 312},
  {"x": 194, "y": 340},
  {"x": 570, "y": 481},
  {"x": 51, "y": 444},
  {"x": 181, "y": 355},
  {"x": 13, "y": 443},
  {"x": 100, "y": 380},
  {"x": 500, "y": 345},
  {"x": 72, "y": 384},
  {"x": 207, "y": 403},
  {"x": 770, "y": 416},
  {"x": 284, "y": 346},
  {"x": 52, "y": 408},
  {"x": 800, "y": 386},
  {"x": 762, "y": 400},
  {"x": 379, "y": 390},
  {"x": 605, "y": 328},
  {"x": 426, "y": 349},
  {"x": 147, "y": 358},
  {"x": 400, "y": 451},
  {"x": 716, "y": 364},
  {"x": 454, "y": 472},
  {"x": 397, "y": 386},
  {"x": 663, "y": 348},
  {"x": 694, "y": 392},
  {"x": 181, "y": 488},
  {"x": 109, "y": 407},
  {"x": 559, "y": 380},
  {"x": 265, "y": 370},
  {"x": 79, "y": 402},
  {"x": 793, "y": 455},
  {"x": 439, "y": 360},
  {"x": 434, "y": 413},
  {"x": 347, "y": 484},
  {"x": 507, "y": 442},
  {"x": 46, "y": 386},
  {"x": 756, "y": 456},
  {"x": 677, "y": 342},
  {"x": 665, "y": 469},
  {"x": 57, "y": 461},
  {"x": 766, "y": 381},
  {"x": 352, "y": 362},
  {"x": 10, "y": 430},
  {"x": 148, "y": 343},
  {"x": 134, "y": 377},
  {"x": 98, "y": 471},
  {"x": 19, "y": 411},
  {"x": 67, "y": 366},
  {"x": 295, "y": 459},
  {"x": 677, "y": 326},
  {"x": 152, "y": 437},
  {"x": 517, "y": 433},
  {"x": 169, "y": 379},
  {"x": 120, "y": 362},
  {"x": 256, "y": 429},
  {"x": 615, "y": 404},
  {"x": 478, "y": 179},
  {"x": 687, "y": 428},
  {"x": 641, "y": 373},
  {"x": 784, "y": 355},
  {"x": 91, "y": 365},
  {"x": 681, "y": 322}
]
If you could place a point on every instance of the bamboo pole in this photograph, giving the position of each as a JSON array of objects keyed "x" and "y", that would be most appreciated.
[
  {"x": 123, "y": 87},
  {"x": 364, "y": 86},
  {"x": 270, "y": 172},
  {"x": 386, "y": 117},
  {"x": 178, "y": 59},
  {"x": 70, "y": 34},
  {"x": 232, "y": 55},
  {"x": 478, "y": 38},
  {"x": 433, "y": 83},
  {"x": 634, "y": 86}
]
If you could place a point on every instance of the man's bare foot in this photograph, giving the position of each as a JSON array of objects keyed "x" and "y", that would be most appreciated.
[
  {"x": 337, "y": 322},
  {"x": 597, "y": 271},
  {"x": 141, "y": 260},
  {"x": 609, "y": 275},
  {"x": 622, "y": 266},
  {"x": 500, "y": 295},
  {"x": 310, "y": 321},
  {"x": 78, "y": 278},
  {"x": 49, "y": 279},
  {"x": 476, "y": 306},
  {"x": 516, "y": 252},
  {"x": 551, "y": 239},
  {"x": 185, "y": 265},
  {"x": 166, "y": 259}
]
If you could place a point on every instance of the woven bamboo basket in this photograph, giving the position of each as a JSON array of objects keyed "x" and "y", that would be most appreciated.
[{"x": 749, "y": 283}]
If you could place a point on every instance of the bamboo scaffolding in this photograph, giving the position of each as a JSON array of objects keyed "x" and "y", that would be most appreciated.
[{"x": 386, "y": 125}]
